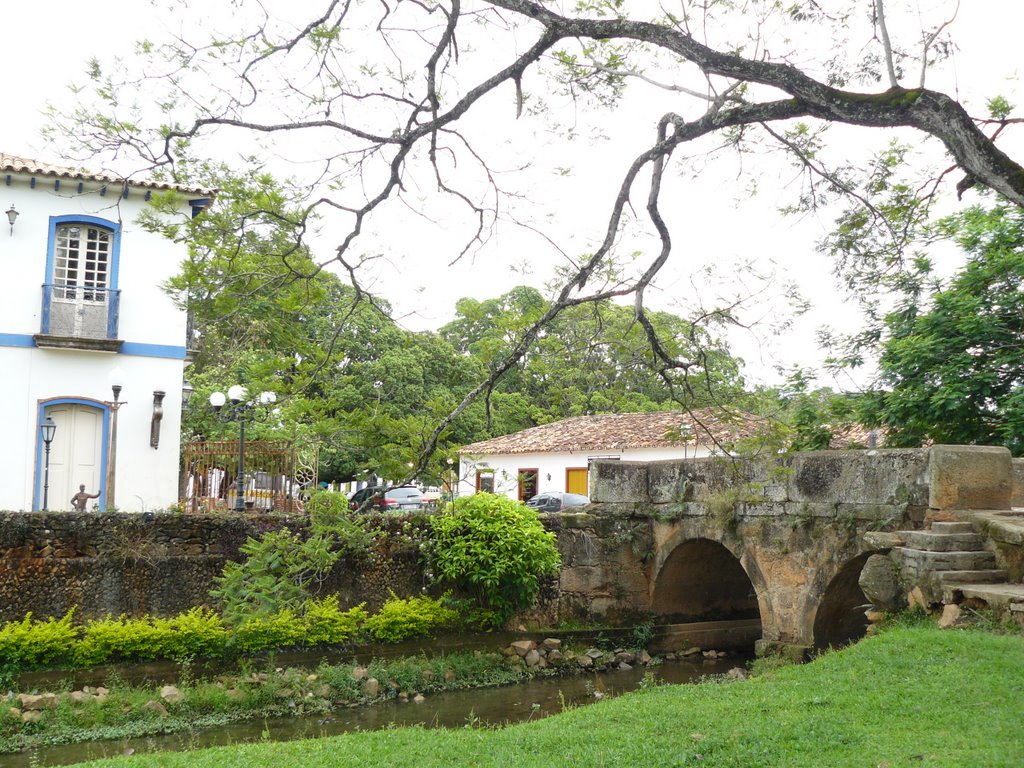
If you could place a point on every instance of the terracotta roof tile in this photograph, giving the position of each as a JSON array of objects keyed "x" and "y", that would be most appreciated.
[
  {"x": 14, "y": 164},
  {"x": 855, "y": 436},
  {"x": 617, "y": 431}
]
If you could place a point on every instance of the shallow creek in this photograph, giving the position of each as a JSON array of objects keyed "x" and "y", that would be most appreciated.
[{"x": 484, "y": 706}]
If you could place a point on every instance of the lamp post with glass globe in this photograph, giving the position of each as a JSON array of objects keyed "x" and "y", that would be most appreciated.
[
  {"x": 239, "y": 411},
  {"x": 48, "y": 429}
]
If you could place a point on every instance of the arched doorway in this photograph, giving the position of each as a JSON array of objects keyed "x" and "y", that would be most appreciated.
[
  {"x": 840, "y": 618},
  {"x": 703, "y": 581},
  {"x": 78, "y": 453}
]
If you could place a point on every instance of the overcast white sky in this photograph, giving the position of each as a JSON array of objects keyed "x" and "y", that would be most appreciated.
[{"x": 48, "y": 43}]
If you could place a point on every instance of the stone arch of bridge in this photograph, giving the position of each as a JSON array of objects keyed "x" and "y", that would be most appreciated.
[
  {"x": 697, "y": 578},
  {"x": 838, "y": 617}
]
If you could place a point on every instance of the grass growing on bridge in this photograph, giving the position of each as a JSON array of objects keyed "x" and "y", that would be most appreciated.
[{"x": 911, "y": 696}]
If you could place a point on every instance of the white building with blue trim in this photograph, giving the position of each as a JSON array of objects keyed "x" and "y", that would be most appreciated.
[{"x": 83, "y": 309}]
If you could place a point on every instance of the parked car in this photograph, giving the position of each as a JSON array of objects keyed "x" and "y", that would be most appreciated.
[
  {"x": 401, "y": 498},
  {"x": 556, "y": 501}
]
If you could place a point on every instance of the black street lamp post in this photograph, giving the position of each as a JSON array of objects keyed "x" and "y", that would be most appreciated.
[
  {"x": 116, "y": 376},
  {"x": 48, "y": 429},
  {"x": 239, "y": 411}
]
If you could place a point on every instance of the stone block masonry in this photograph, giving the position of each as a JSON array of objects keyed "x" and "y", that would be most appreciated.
[
  {"x": 125, "y": 564},
  {"x": 969, "y": 477},
  {"x": 891, "y": 479}
]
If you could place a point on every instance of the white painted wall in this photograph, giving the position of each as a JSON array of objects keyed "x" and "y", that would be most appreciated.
[
  {"x": 147, "y": 478},
  {"x": 551, "y": 466},
  {"x": 147, "y": 259}
]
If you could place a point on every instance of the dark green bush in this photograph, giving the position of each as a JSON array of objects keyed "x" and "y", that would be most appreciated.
[
  {"x": 280, "y": 570},
  {"x": 495, "y": 550}
]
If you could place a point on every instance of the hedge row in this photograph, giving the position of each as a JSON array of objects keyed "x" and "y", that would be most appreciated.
[{"x": 202, "y": 633}]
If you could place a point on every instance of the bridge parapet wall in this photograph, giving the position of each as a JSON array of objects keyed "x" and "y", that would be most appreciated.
[
  {"x": 870, "y": 484},
  {"x": 911, "y": 481}
]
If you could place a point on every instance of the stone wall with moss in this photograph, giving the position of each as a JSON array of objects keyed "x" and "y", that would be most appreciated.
[{"x": 130, "y": 564}]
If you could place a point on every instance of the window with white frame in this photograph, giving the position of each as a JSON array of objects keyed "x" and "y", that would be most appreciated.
[{"x": 81, "y": 260}]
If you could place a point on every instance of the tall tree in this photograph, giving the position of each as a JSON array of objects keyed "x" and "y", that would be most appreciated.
[
  {"x": 592, "y": 358},
  {"x": 951, "y": 369},
  {"x": 394, "y": 95}
]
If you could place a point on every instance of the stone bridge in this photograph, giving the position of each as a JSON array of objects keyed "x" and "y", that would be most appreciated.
[
  {"x": 779, "y": 546},
  {"x": 783, "y": 540}
]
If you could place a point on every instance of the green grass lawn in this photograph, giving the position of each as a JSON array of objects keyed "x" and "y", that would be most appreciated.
[{"x": 911, "y": 696}]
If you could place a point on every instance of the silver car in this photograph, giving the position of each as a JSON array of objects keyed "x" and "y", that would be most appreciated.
[
  {"x": 401, "y": 499},
  {"x": 556, "y": 501}
]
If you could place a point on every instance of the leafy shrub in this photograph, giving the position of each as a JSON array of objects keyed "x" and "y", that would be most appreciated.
[
  {"x": 494, "y": 549},
  {"x": 120, "y": 639},
  {"x": 329, "y": 515},
  {"x": 327, "y": 624},
  {"x": 281, "y": 570},
  {"x": 260, "y": 633},
  {"x": 29, "y": 643},
  {"x": 400, "y": 618},
  {"x": 198, "y": 632}
]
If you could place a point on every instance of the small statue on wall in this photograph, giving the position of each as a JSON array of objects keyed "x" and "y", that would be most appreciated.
[{"x": 79, "y": 499}]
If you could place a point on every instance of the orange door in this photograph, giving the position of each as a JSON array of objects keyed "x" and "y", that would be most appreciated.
[{"x": 577, "y": 481}]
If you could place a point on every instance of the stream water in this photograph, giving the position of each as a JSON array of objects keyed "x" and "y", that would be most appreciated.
[{"x": 485, "y": 706}]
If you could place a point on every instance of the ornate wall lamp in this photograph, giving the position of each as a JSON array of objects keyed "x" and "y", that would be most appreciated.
[
  {"x": 158, "y": 415},
  {"x": 12, "y": 216}
]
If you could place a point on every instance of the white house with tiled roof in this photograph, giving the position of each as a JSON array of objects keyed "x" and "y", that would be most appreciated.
[
  {"x": 84, "y": 311},
  {"x": 556, "y": 457}
]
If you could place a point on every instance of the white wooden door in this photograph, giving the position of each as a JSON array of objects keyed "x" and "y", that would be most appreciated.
[{"x": 76, "y": 453}]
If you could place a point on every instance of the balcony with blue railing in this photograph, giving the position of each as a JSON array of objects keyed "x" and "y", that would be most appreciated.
[{"x": 79, "y": 317}]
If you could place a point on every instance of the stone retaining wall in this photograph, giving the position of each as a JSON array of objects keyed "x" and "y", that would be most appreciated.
[{"x": 128, "y": 564}]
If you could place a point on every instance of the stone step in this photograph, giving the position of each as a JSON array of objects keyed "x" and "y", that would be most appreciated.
[
  {"x": 972, "y": 577},
  {"x": 922, "y": 561},
  {"x": 949, "y": 527},
  {"x": 942, "y": 542},
  {"x": 996, "y": 595}
]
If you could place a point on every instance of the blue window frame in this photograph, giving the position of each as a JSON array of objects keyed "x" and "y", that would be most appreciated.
[{"x": 80, "y": 290}]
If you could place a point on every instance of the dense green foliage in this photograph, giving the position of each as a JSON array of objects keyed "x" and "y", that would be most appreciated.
[
  {"x": 198, "y": 632},
  {"x": 324, "y": 623},
  {"x": 321, "y": 622},
  {"x": 590, "y": 359},
  {"x": 37, "y": 643},
  {"x": 401, "y": 618},
  {"x": 951, "y": 365},
  {"x": 201, "y": 633},
  {"x": 279, "y": 571},
  {"x": 494, "y": 550},
  {"x": 906, "y": 697}
]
